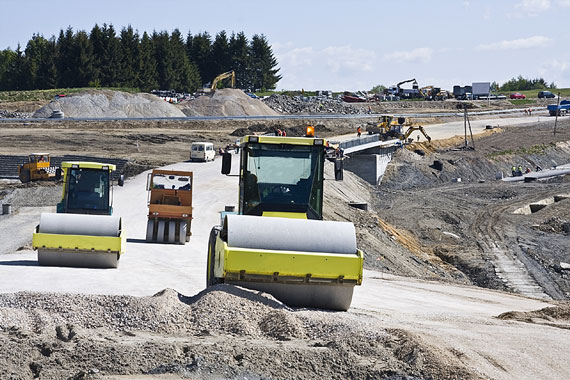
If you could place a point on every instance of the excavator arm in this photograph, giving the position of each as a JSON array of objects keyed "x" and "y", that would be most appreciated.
[
  {"x": 229, "y": 74},
  {"x": 418, "y": 128}
]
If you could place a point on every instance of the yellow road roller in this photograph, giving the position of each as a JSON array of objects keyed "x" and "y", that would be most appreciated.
[
  {"x": 276, "y": 241},
  {"x": 83, "y": 232}
]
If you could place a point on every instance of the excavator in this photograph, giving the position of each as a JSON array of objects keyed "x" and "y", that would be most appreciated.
[
  {"x": 83, "y": 232},
  {"x": 406, "y": 93},
  {"x": 230, "y": 74},
  {"x": 390, "y": 127},
  {"x": 277, "y": 242}
]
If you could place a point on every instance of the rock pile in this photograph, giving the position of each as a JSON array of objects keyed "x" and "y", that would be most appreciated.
[
  {"x": 299, "y": 105},
  {"x": 14, "y": 115}
]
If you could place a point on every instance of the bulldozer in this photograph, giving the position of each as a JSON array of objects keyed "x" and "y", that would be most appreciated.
[
  {"x": 84, "y": 232},
  {"x": 169, "y": 206},
  {"x": 276, "y": 241},
  {"x": 391, "y": 127},
  {"x": 38, "y": 168}
]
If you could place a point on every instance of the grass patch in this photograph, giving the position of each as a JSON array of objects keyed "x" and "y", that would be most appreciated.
[
  {"x": 534, "y": 93},
  {"x": 535, "y": 149},
  {"x": 41, "y": 95},
  {"x": 520, "y": 102}
]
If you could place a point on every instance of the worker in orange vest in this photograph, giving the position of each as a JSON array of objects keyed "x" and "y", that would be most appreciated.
[{"x": 358, "y": 131}]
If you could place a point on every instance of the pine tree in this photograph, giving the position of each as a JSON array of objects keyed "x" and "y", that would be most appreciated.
[
  {"x": 7, "y": 56},
  {"x": 185, "y": 73},
  {"x": 239, "y": 56},
  {"x": 201, "y": 52},
  {"x": 64, "y": 61},
  {"x": 47, "y": 73},
  {"x": 164, "y": 59},
  {"x": 83, "y": 60},
  {"x": 97, "y": 43},
  {"x": 130, "y": 49},
  {"x": 220, "y": 59},
  {"x": 147, "y": 78},
  {"x": 264, "y": 74}
]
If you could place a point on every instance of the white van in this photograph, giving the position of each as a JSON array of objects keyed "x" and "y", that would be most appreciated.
[{"x": 202, "y": 151}]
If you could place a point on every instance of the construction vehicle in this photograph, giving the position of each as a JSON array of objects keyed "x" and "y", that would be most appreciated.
[
  {"x": 169, "y": 206},
  {"x": 228, "y": 74},
  {"x": 38, "y": 168},
  {"x": 391, "y": 127},
  {"x": 404, "y": 93},
  {"x": 83, "y": 232},
  {"x": 277, "y": 241}
]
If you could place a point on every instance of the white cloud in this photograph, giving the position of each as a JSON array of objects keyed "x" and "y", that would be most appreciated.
[
  {"x": 532, "y": 7},
  {"x": 421, "y": 55},
  {"x": 518, "y": 44},
  {"x": 564, "y": 3},
  {"x": 333, "y": 67}
]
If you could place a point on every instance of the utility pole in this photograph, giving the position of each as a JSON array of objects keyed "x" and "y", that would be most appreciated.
[
  {"x": 557, "y": 111},
  {"x": 465, "y": 122}
]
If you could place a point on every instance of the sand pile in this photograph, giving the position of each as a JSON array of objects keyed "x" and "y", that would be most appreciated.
[
  {"x": 107, "y": 103},
  {"x": 227, "y": 102}
]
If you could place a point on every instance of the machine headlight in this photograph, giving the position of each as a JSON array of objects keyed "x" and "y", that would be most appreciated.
[
  {"x": 318, "y": 142},
  {"x": 254, "y": 139}
]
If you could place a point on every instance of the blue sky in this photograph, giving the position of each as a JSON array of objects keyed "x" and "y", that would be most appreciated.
[{"x": 344, "y": 45}]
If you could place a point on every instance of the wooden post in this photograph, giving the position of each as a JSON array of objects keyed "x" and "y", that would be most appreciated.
[{"x": 557, "y": 111}]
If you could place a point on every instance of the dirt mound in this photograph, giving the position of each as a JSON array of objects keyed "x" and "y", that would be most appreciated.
[
  {"x": 555, "y": 316},
  {"x": 227, "y": 102},
  {"x": 107, "y": 103}
]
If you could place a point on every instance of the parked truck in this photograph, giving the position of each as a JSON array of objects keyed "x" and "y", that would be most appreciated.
[{"x": 562, "y": 109}]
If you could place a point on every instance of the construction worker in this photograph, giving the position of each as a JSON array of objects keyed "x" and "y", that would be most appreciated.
[
  {"x": 358, "y": 131},
  {"x": 520, "y": 171},
  {"x": 284, "y": 133},
  {"x": 279, "y": 132},
  {"x": 514, "y": 171}
]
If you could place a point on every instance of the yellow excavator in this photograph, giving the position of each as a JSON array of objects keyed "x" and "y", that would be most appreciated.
[
  {"x": 391, "y": 127},
  {"x": 276, "y": 241},
  {"x": 230, "y": 74},
  {"x": 83, "y": 232}
]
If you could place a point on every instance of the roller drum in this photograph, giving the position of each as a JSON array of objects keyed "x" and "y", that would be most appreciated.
[
  {"x": 287, "y": 234},
  {"x": 79, "y": 224}
]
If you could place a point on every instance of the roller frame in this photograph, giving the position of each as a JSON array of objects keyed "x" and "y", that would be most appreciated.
[{"x": 330, "y": 287}]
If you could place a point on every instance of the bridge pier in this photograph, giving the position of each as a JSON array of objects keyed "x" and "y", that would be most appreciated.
[{"x": 370, "y": 167}]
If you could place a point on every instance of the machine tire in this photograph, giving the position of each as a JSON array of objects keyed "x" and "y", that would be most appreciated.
[
  {"x": 25, "y": 176},
  {"x": 210, "y": 279},
  {"x": 160, "y": 231},
  {"x": 182, "y": 232},
  {"x": 149, "y": 230},
  {"x": 172, "y": 231}
]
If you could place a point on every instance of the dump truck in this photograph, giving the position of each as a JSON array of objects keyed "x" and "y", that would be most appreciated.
[
  {"x": 169, "y": 206},
  {"x": 277, "y": 240},
  {"x": 84, "y": 232},
  {"x": 38, "y": 168}
]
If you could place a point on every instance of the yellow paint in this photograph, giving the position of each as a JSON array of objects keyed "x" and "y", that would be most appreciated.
[
  {"x": 289, "y": 263},
  {"x": 115, "y": 244},
  {"x": 284, "y": 140},
  {"x": 283, "y": 214}
]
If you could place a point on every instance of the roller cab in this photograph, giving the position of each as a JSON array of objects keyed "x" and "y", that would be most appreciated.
[
  {"x": 82, "y": 233},
  {"x": 277, "y": 241}
]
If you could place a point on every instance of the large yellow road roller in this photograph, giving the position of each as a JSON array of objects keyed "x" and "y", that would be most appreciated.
[
  {"x": 277, "y": 241},
  {"x": 83, "y": 232}
]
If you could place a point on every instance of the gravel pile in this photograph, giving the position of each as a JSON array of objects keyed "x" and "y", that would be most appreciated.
[
  {"x": 296, "y": 105},
  {"x": 227, "y": 102},
  {"x": 107, "y": 103},
  {"x": 223, "y": 332},
  {"x": 4, "y": 114}
]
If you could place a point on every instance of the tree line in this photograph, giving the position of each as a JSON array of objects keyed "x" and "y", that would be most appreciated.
[
  {"x": 522, "y": 84},
  {"x": 161, "y": 60}
]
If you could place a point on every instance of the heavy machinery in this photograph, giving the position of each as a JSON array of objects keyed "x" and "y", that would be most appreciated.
[
  {"x": 404, "y": 93},
  {"x": 83, "y": 232},
  {"x": 38, "y": 168},
  {"x": 277, "y": 241},
  {"x": 169, "y": 206},
  {"x": 228, "y": 74},
  {"x": 391, "y": 127}
]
